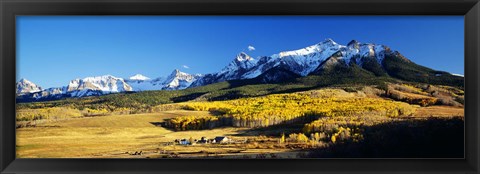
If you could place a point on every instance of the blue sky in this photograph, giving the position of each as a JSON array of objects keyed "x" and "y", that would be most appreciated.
[{"x": 52, "y": 50}]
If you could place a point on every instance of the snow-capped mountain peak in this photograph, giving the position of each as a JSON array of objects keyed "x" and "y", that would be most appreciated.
[
  {"x": 100, "y": 78},
  {"x": 138, "y": 77},
  {"x": 25, "y": 81},
  {"x": 179, "y": 80},
  {"x": 186, "y": 76},
  {"x": 353, "y": 44},
  {"x": 240, "y": 64},
  {"x": 176, "y": 80},
  {"x": 305, "y": 60},
  {"x": 242, "y": 56},
  {"x": 176, "y": 73},
  {"x": 301, "y": 61},
  {"x": 24, "y": 87},
  {"x": 242, "y": 60},
  {"x": 329, "y": 42},
  {"x": 105, "y": 84}
]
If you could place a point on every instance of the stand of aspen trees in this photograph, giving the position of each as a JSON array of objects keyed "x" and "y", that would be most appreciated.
[{"x": 285, "y": 108}]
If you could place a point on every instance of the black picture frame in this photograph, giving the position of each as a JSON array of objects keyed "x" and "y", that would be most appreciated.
[{"x": 9, "y": 9}]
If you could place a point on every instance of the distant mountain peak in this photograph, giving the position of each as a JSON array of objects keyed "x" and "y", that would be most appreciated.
[
  {"x": 242, "y": 56},
  {"x": 176, "y": 72},
  {"x": 138, "y": 77},
  {"x": 104, "y": 84},
  {"x": 329, "y": 41},
  {"x": 301, "y": 61},
  {"x": 353, "y": 44},
  {"x": 24, "y": 87},
  {"x": 106, "y": 76},
  {"x": 179, "y": 80},
  {"x": 241, "y": 63}
]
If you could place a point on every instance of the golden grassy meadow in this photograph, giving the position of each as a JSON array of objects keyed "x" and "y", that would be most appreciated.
[{"x": 112, "y": 136}]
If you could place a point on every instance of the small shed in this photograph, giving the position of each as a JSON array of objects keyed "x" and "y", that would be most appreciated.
[
  {"x": 203, "y": 140},
  {"x": 184, "y": 142},
  {"x": 221, "y": 140}
]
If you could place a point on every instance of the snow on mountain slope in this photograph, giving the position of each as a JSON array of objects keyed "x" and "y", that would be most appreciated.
[
  {"x": 140, "y": 82},
  {"x": 24, "y": 87},
  {"x": 305, "y": 60},
  {"x": 176, "y": 80},
  {"x": 50, "y": 92},
  {"x": 145, "y": 85},
  {"x": 138, "y": 77},
  {"x": 371, "y": 50},
  {"x": 179, "y": 80},
  {"x": 242, "y": 63},
  {"x": 302, "y": 61},
  {"x": 88, "y": 86},
  {"x": 459, "y": 75},
  {"x": 106, "y": 84}
]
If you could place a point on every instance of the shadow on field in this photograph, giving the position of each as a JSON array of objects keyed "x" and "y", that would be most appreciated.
[
  {"x": 430, "y": 138},
  {"x": 230, "y": 95},
  {"x": 158, "y": 124},
  {"x": 187, "y": 97},
  {"x": 287, "y": 127}
]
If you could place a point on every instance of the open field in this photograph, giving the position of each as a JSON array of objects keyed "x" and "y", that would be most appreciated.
[
  {"x": 439, "y": 111},
  {"x": 92, "y": 136},
  {"x": 120, "y": 136},
  {"x": 113, "y": 136}
]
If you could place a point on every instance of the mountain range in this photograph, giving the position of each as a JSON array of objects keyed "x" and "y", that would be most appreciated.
[
  {"x": 326, "y": 58},
  {"x": 101, "y": 85}
]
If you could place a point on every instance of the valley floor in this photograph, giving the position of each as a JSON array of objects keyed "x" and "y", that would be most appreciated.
[{"x": 125, "y": 136}]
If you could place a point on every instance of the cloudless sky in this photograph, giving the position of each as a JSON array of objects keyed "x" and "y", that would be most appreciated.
[{"x": 52, "y": 50}]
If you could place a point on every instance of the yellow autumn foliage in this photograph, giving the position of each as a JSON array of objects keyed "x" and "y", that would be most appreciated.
[
  {"x": 284, "y": 108},
  {"x": 47, "y": 113}
]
